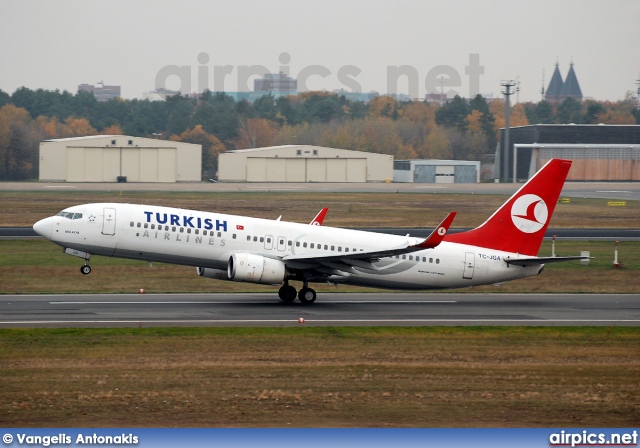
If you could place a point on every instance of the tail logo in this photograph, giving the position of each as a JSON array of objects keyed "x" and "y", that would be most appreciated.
[{"x": 529, "y": 213}]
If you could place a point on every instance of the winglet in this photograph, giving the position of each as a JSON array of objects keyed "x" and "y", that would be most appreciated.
[
  {"x": 438, "y": 233},
  {"x": 317, "y": 221}
]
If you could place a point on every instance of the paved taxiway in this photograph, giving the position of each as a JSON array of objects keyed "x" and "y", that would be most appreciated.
[{"x": 376, "y": 309}]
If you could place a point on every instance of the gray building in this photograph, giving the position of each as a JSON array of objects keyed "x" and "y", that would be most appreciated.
[
  {"x": 436, "y": 171},
  {"x": 303, "y": 163},
  {"x": 100, "y": 91},
  {"x": 113, "y": 158},
  {"x": 276, "y": 83}
]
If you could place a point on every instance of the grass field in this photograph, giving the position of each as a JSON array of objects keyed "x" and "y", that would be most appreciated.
[
  {"x": 345, "y": 209},
  {"x": 321, "y": 377}
]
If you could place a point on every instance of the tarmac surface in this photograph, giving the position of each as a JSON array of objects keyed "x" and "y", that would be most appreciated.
[{"x": 331, "y": 309}]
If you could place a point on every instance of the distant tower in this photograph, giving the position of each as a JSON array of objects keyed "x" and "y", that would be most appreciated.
[
  {"x": 554, "y": 91},
  {"x": 571, "y": 88},
  {"x": 558, "y": 89},
  {"x": 542, "y": 89}
]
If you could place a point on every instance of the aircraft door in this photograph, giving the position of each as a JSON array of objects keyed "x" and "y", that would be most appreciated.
[
  {"x": 109, "y": 221},
  {"x": 469, "y": 265},
  {"x": 282, "y": 243}
]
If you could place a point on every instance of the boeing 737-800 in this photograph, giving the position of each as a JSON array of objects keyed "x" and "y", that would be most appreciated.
[{"x": 275, "y": 252}]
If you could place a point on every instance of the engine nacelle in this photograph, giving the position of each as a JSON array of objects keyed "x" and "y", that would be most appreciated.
[
  {"x": 256, "y": 269},
  {"x": 218, "y": 274}
]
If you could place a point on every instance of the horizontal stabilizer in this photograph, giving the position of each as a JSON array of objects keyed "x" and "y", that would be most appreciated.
[{"x": 541, "y": 260}]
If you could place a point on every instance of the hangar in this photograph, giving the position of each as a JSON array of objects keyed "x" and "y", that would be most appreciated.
[
  {"x": 303, "y": 163},
  {"x": 119, "y": 158},
  {"x": 436, "y": 171},
  {"x": 600, "y": 152}
]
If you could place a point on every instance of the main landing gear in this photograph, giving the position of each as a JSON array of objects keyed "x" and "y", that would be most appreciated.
[{"x": 288, "y": 293}]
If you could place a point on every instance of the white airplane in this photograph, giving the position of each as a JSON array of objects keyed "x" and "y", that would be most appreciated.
[{"x": 275, "y": 252}]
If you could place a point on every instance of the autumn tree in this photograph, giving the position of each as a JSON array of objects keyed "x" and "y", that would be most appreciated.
[
  {"x": 212, "y": 147},
  {"x": 255, "y": 133},
  {"x": 19, "y": 142}
]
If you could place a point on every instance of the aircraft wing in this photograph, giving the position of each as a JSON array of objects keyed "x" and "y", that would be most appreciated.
[
  {"x": 432, "y": 241},
  {"x": 529, "y": 261}
]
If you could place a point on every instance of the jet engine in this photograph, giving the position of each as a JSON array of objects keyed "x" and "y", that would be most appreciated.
[
  {"x": 252, "y": 268},
  {"x": 217, "y": 274}
]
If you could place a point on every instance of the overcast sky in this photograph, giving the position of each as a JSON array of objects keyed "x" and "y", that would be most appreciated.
[{"x": 348, "y": 44}]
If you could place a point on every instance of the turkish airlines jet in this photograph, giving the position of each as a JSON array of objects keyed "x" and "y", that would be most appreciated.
[{"x": 275, "y": 252}]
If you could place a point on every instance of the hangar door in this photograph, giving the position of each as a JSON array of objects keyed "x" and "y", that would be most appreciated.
[
  {"x": 306, "y": 170},
  {"x": 275, "y": 170},
  {"x": 336, "y": 170},
  {"x": 92, "y": 164},
  {"x": 106, "y": 164}
]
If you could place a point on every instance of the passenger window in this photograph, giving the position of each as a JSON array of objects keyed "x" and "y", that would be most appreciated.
[
  {"x": 437, "y": 261},
  {"x": 131, "y": 223},
  {"x": 233, "y": 236},
  {"x": 333, "y": 247},
  {"x": 262, "y": 239},
  {"x": 311, "y": 246},
  {"x": 219, "y": 234},
  {"x": 304, "y": 244},
  {"x": 404, "y": 257},
  {"x": 153, "y": 226},
  {"x": 346, "y": 249},
  {"x": 297, "y": 243},
  {"x": 290, "y": 243},
  {"x": 339, "y": 248},
  {"x": 430, "y": 260},
  {"x": 173, "y": 229},
  {"x": 146, "y": 226},
  {"x": 326, "y": 247},
  {"x": 411, "y": 257},
  {"x": 181, "y": 229},
  {"x": 255, "y": 238},
  {"x": 138, "y": 225},
  {"x": 197, "y": 232},
  {"x": 188, "y": 230},
  {"x": 268, "y": 240}
]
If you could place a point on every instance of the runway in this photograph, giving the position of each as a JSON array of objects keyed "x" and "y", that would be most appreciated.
[{"x": 331, "y": 309}]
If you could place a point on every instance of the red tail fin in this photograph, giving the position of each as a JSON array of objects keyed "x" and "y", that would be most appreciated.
[{"x": 519, "y": 225}]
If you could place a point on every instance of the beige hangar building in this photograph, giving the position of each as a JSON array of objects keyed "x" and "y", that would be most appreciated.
[
  {"x": 119, "y": 158},
  {"x": 303, "y": 163}
]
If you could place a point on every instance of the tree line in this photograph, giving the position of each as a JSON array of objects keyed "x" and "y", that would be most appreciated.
[{"x": 459, "y": 129}]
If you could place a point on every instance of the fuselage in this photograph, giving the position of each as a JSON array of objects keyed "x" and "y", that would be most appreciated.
[{"x": 208, "y": 240}]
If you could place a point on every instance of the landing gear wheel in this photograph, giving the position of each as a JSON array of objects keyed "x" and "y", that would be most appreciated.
[
  {"x": 307, "y": 295},
  {"x": 287, "y": 293},
  {"x": 86, "y": 269}
]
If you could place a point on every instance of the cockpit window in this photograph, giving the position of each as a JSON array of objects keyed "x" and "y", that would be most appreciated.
[{"x": 70, "y": 215}]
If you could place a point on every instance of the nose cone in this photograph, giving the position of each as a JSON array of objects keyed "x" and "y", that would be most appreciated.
[{"x": 44, "y": 227}]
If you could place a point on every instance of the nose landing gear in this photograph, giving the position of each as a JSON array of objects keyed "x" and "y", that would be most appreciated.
[{"x": 86, "y": 269}]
